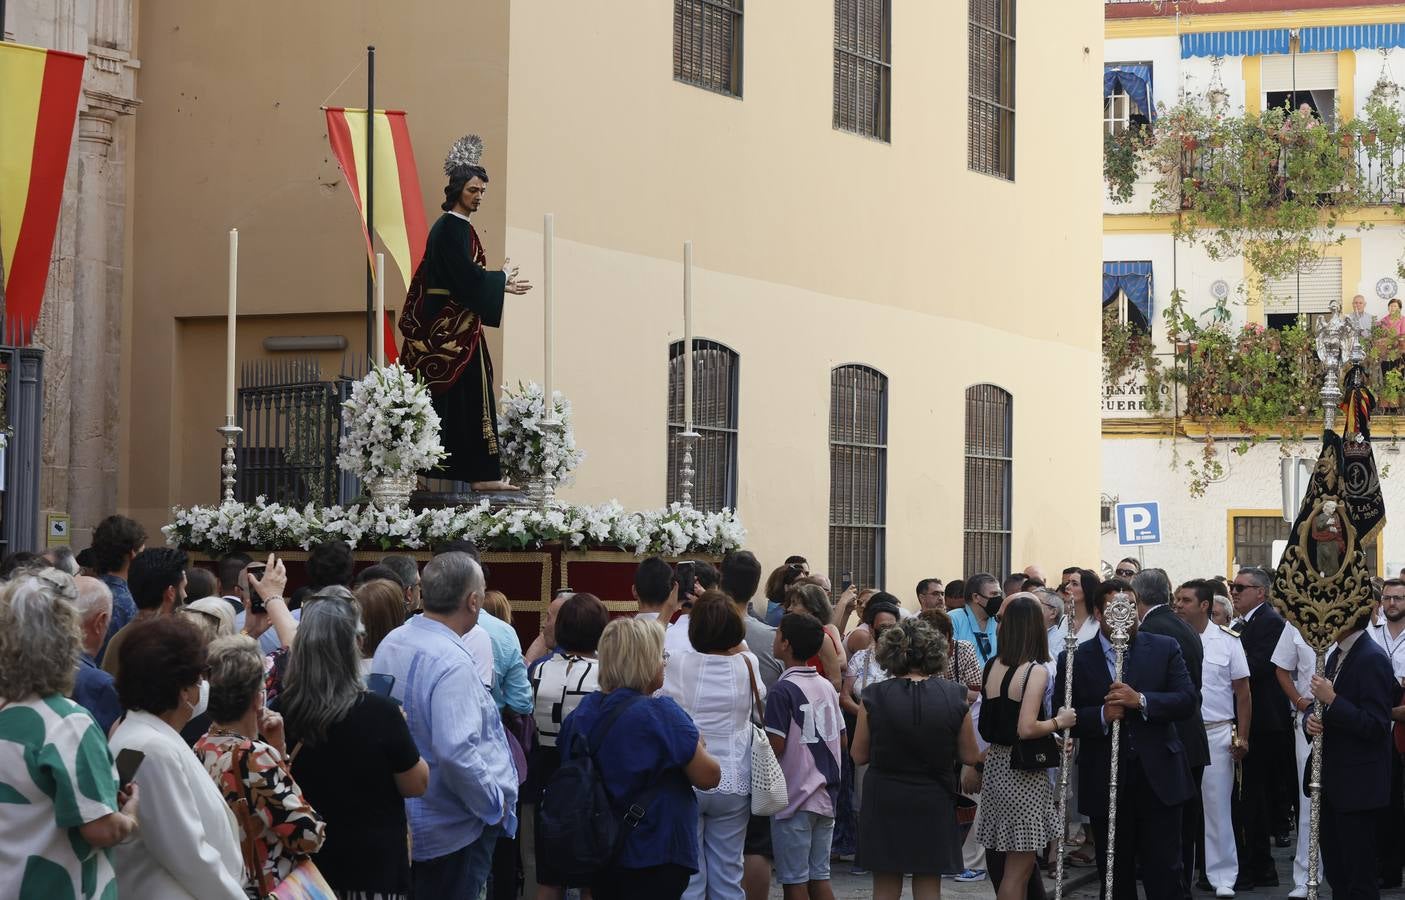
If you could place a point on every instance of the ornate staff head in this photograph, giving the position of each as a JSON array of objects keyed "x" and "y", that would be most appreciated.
[{"x": 1121, "y": 616}]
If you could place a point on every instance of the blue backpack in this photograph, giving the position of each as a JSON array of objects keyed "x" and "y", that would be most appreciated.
[{"x": 579, "y": 827}]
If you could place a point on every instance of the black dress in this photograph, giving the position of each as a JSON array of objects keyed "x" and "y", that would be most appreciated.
[
  {"x": 349, "y": 778},
  {"x": 908, "y": 819}
]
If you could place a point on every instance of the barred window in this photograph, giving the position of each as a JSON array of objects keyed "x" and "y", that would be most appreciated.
[
  {"x": 990, "y": 132},
  {"x": 858, "y": 474},
  {"x": 714, "y": 418},
  {"x": 989, "y": 423},
  {"x": 863, "y": 66},
  {"x": 707, "y": 44}
]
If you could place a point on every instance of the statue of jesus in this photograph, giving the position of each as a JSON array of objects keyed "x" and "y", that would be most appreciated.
[{"x": 452, "y": 296}]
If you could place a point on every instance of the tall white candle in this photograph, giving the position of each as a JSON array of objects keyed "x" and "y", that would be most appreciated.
[
  {"x": 229, "y": 382},
  {"x": 687, "y": 335},
  {"x": 379, "y": 329},
  {"x": 549, "y": 309}
]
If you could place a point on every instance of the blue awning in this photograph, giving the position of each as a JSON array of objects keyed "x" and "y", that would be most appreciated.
[
  {"x": 1234, "y": 43},
  {"x": 1132, "y": 80},
  {"x": 1132, "y": 279},
  {"x": 1351, "y": 37}
]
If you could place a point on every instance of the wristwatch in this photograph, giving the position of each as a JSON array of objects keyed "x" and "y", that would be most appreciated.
[{"x": 1141, "y": 699}]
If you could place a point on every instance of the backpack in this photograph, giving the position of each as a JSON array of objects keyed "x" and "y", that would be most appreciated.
[{"x": 578, "y": 826}]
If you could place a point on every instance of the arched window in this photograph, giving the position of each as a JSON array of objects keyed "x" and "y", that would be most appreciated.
[
  {"x": 989, "y": 451},
  {"x": 714, "y": 418},
  {"x": 858, "y": 474}
]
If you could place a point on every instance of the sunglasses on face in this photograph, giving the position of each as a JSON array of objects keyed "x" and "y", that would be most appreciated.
[
  {"x": 1124, "y": 573},
  {"x": 1235, "y": 588}
]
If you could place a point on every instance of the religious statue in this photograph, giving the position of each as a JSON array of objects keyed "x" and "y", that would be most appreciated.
[
  {"x": 1338, "y": 341},
  {"x": 452, "y": 296},
  {"x": 1328, "y": 538}
]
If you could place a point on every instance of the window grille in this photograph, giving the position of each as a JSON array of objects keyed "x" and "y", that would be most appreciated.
[
  {"x": 707, "y": 44},
  {"x": 989, "y": 457},
  {"x": 714, "y": 418},
  {"x": 858, "y": 474},
  {"x": 1254, "y": 537},
  {"x": 862, "y": 66},
  {"x": 990, "y": 136}
]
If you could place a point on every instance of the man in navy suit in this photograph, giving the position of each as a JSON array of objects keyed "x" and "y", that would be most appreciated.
[
  {"x": 1154, "y": 779},
  {"x": 1357, "y": 692},
  {"x": 1259, "y": 626}
]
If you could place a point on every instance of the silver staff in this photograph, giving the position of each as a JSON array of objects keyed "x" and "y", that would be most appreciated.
[
  {"x": 1066, "y": 755},
  {"x": 1314, "y": 853},
  {"x": 1121, "y": 614}
]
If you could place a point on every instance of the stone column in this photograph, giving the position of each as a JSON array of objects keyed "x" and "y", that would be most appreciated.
[{"x": 97, "y": 309}]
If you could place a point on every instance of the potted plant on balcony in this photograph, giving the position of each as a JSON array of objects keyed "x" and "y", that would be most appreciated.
[{"x": 1122, "y": 152}]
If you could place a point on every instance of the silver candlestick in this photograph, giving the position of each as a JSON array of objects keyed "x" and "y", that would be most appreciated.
[
  {"x": 542, "y": 491},
  {"x": 1121, "y": 614},
  {"x": 1066, "y": 754},
  {"x": 685, "y": 472},
  {"x": 229, "y": 470}
]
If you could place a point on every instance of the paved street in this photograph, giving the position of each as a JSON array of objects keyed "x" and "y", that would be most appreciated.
[{"x": 1083, "y": 883}]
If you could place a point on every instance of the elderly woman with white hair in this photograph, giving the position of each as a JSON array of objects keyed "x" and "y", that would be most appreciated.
[{"x": 56, "y": 764}]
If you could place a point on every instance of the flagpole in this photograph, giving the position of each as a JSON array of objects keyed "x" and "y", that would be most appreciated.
[{"x": 370, "y": 198}]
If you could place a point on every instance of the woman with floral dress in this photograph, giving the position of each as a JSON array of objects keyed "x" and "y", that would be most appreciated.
[{"x": 244, "y": 753}]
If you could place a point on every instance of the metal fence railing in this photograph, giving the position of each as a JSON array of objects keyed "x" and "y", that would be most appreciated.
[
  {"x": 22, "y": 417},
  {"x": 292, "y": 425}
]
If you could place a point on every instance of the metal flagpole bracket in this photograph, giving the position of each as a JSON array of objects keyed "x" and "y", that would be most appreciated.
[
  {"x": 230, "y": 432},
  {"x": 685, "y": 471}
]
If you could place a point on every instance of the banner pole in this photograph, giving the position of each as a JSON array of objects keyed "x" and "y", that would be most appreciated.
[{"x": 370, "y": 198}]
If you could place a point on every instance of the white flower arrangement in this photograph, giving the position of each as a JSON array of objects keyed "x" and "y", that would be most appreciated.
[
  {"x": 391, "y": 428},
  {"x": 529, "y": 449},
  {"x": 269, "y": 526}
]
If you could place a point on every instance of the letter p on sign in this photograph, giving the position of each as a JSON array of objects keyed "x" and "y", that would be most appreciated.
[{"x": 1138, "y": 523}]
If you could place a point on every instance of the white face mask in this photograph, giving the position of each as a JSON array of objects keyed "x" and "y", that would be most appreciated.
[{"x": 204, "y": 700}]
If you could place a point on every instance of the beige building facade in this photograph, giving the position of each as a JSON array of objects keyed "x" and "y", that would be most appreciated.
[{"x": 815, "y": 247}]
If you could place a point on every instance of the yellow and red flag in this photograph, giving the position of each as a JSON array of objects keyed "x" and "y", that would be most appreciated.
[
  {"x": 37, "y": 115},
  {"x": 399, "y": 208}
]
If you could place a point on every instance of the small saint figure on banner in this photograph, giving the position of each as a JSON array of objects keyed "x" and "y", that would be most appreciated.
[
  {"x": 451, "y": 298},
  {"x": 1328, "y": 538}
]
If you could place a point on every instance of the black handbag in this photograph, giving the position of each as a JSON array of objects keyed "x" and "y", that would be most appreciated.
[{"x": 1035, "y": 753}]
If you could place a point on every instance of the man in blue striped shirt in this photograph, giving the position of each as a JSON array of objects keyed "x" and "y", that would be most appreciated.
[{"x": 472, "y": 794}]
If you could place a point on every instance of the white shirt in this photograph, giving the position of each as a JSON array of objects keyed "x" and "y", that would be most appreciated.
[
  {"x": 480, "y": 647},
  {"x": 188, "y": 842},
  {"x": 1393, "y": 647},
  {"x": 715, "y": 690},
  {"x": 647, "y": 616},
  {"x": 1294, "y": 655},
  {"x": 1224, "y": 664},
  {"x": 558, "y": 686},
  {"x": 675, "y": 639},
  {"x": 1088, "y": 630}
]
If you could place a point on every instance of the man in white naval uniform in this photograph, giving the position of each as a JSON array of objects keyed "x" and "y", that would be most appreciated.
[{"x": 1225, "y": 708}]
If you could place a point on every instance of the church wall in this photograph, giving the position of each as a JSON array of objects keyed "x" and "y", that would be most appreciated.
[
  {"x": 231, "y": 134},
  {"x": 816, "y": 248}
]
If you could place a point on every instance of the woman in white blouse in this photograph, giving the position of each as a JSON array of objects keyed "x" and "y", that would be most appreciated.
[
  {"x": 715, "y": 684},
  {"x": 188, "y": 844}
]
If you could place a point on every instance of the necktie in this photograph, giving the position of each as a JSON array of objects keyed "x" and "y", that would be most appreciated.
[
  {"x": 1111, "y": 656},
  {"x": 1238, "y": 624},
  {"x": 1334, "y": 662}
]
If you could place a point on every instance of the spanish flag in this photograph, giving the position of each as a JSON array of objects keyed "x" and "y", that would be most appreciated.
[
  {"x": 37, "y": 113},
  {"x": 399, "y": 207}
]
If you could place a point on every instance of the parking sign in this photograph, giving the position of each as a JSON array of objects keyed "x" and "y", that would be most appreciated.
[{"x": 1138, "y": 523}]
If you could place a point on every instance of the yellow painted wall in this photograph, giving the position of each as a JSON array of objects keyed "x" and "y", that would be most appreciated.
[{"x": 817, "y": 248}]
